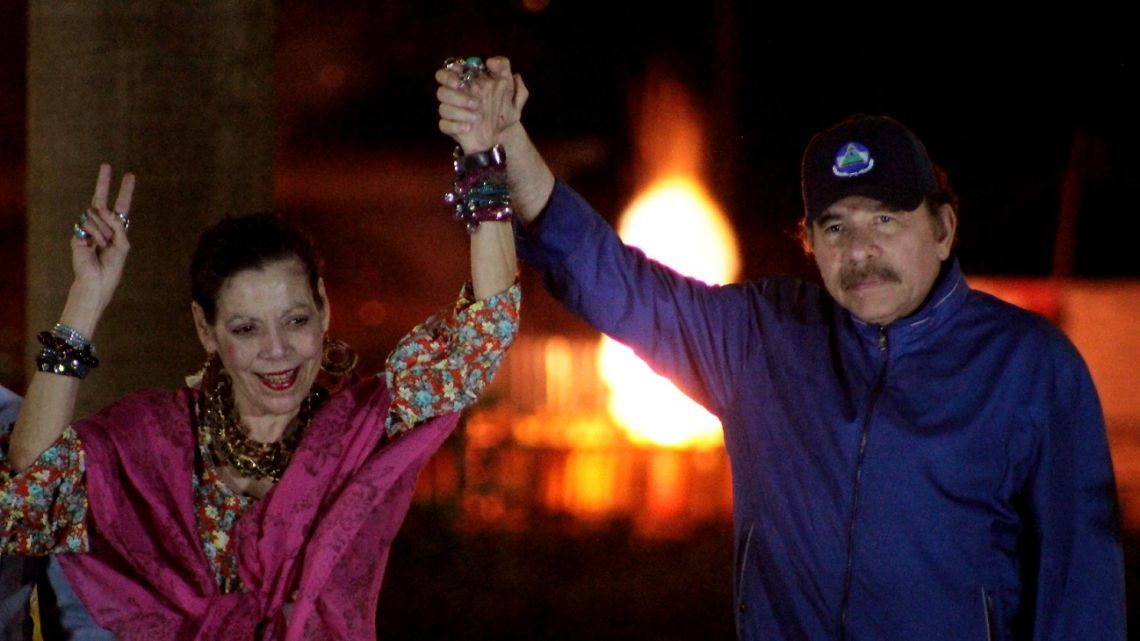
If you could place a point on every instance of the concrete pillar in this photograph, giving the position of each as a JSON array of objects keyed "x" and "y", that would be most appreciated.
[{"x": 179, "y": 93}]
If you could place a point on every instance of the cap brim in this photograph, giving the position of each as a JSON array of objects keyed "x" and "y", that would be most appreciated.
[{"x": 895, "y": 199}]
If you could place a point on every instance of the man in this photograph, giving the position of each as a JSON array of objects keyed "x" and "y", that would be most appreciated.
[{"x": 911, "y": 459}]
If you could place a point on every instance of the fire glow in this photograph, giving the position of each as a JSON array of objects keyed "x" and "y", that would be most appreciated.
[{"x": 675, "y": 222}]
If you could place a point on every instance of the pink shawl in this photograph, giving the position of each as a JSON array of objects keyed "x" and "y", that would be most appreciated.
[{"x": 311, "y": 553}]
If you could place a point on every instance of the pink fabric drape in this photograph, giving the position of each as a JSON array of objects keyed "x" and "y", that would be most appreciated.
[{"x": 311, "y": 553}]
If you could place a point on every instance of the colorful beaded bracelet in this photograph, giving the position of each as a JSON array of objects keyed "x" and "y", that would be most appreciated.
[{"x": 480, "y": 192}]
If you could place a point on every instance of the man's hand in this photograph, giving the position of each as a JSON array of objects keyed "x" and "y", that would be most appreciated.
[{"x": 477, "y": 113}]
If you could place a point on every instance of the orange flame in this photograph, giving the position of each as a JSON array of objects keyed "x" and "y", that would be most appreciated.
[{"x": 677, "y": 223}]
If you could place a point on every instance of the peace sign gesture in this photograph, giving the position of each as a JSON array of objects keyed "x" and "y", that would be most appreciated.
[{"x": 100, "y": 245}]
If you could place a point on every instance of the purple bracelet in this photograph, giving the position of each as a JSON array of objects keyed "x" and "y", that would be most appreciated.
[{"x": 480, "y": 191}]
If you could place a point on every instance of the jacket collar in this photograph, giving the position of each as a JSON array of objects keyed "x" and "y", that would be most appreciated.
[{"x": 947, "y": 296}]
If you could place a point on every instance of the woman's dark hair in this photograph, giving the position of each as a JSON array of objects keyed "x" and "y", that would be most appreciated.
[{"x": 237, "y": 243}]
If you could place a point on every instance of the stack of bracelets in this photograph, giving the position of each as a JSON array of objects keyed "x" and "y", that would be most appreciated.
[
  {"x": 480, "y": 192},
  {"x": 65, "y": 352}
]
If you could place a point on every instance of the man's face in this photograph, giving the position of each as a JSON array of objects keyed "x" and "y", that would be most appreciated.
[{"x": 877, "y": 263}]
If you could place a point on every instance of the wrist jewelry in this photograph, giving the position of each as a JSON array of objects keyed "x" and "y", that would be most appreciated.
[
  {"x": 480, "y": 192},
  {"x": 65, "y": 352},
  {"x": 71, "y": 336},
  {"x": 468, "y": 68}
]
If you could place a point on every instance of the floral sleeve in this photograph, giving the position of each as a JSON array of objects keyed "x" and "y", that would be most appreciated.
[
  {"x": 443, "y": 364},
  {"x": 44, "y": 507}
]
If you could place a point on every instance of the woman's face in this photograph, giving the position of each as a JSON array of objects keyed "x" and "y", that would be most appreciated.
[{"x": 269, "y": 333}]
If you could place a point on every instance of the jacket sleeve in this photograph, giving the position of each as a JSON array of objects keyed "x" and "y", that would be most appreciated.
[
  {"x": 682, "y": 327},
  {"x": 1074, "y": 510}
]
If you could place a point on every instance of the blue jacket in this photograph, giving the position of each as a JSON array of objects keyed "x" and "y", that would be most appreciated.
[{"x": 944, "y": 477}]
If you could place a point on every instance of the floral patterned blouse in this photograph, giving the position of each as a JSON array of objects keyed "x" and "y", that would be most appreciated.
[{"x": 441, "y": 366}]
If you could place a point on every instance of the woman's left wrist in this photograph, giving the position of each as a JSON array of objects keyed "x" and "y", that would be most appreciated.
[
  {"x": 475, "y": 147},
  {"x": 480, "y": 192}
]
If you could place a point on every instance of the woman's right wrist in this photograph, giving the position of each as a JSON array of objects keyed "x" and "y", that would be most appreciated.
[
  {"x": 67, "y": 349},
  {"x": 82, "y": 310}
]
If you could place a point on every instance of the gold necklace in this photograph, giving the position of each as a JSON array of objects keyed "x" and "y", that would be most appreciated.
[{"x": 227, "y": 441}]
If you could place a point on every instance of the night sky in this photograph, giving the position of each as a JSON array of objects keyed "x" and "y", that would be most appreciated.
[{"x": 999, "y": 105}]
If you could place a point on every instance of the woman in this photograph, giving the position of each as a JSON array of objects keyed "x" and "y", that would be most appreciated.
[{"x": 249, "y": 504}]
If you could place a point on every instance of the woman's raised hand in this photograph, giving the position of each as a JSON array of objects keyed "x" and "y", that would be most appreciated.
[
  {"x": 98, "y": 252},
  {"x": 476, "y": 111},
  {"x": 99, "y": 245},
  {"x": 484, "y": 111}
]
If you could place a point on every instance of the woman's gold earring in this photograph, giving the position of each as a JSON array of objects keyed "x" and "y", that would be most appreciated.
[{"x": 338, "y": 361}]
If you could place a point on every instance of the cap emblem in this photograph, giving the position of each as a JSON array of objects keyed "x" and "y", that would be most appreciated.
[{"x": 852, "y": 159}]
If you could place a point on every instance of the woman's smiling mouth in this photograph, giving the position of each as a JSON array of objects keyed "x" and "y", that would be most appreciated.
[{"x": 279, "y": 381}]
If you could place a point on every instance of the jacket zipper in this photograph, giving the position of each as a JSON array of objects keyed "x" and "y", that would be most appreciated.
[
  {"x": 987, "y": 609},
  {"x": 874, "y": 397},
  {"x": 740, "y": 606}
]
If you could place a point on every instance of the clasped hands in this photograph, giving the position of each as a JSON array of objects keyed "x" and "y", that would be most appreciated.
[{"x": 477, "y": 112}]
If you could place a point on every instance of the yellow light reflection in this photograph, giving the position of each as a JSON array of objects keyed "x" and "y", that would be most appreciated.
[
  {"x": 591, "y": 489},
  {"x": 665, "y": 498},
  {"x": 649, "y": 407},
  {"x": 676, "y": 223}
]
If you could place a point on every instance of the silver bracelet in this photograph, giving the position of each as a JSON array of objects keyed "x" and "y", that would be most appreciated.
[{"x": 71, "y": 336}]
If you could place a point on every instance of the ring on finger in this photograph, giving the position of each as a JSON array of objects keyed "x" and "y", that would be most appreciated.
[
  {"x": 77, "y": 228},
  {"x": 125, "y": 219},
  {"x": 468, "y": 68}
]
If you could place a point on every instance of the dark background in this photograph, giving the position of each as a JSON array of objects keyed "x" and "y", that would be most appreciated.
[
  {"x": 999, "y": 101},
  {"x": 998, "y": 107}
]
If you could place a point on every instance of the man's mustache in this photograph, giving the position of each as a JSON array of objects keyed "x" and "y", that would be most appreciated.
[{"x": 853, "y": 276}]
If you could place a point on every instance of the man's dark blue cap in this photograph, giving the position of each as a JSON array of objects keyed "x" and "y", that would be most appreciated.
[{"x": 872, "y": 156}]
